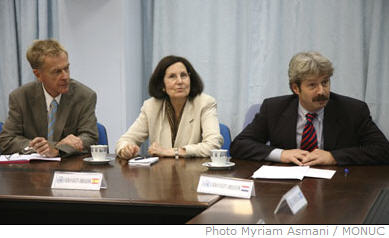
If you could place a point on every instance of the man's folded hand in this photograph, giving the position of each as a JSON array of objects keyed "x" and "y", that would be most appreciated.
[{"x": 73, "y": 141}]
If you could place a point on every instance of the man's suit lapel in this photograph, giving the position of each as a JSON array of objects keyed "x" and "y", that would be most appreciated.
[
  {"x": 331, "y": 125},
  {"x": 63, "y": 113},
  {"x": 288, "y": 123},
  {"x": 39, "y": 110}
]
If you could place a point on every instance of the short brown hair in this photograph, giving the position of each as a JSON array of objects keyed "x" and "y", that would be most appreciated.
[
  {"x": 156, "y": 84},
  {"x": 308, "y": 63},
  {"x": 39, "y": 49}
]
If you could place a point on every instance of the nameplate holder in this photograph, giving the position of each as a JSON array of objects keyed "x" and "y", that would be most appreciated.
[
  {"x": 78, "y": 180},
  {"x": 232, "y": 187},
  {"x": 294, "y": 199}
]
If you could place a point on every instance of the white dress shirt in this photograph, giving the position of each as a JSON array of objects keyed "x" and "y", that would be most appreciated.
[{"x": 49, "y": 98}]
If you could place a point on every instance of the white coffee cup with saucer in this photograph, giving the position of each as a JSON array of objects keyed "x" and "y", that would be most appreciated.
[
  {"x": 99, "y": 152},
  {"x": 219, "y": 158},
  {"x": 99, "y": 155}
]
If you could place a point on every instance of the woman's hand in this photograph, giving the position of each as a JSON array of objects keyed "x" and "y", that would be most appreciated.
[
  {"x": 157, "y": 149},
  {"x": 128, "y": 151}
]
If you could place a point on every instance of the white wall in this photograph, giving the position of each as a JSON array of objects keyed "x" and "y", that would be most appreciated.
[{"x": 94, "y": 34}]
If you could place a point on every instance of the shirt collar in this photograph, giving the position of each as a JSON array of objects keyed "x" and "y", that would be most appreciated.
[
  {"x": 302, "y": 111},
  {"x": 49, "y": 98}
]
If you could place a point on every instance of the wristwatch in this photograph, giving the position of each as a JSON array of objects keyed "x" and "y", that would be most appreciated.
[{"x": 176, "y": 155}]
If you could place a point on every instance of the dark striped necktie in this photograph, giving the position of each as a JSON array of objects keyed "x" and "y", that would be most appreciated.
[{"x": 309, "y": 139}]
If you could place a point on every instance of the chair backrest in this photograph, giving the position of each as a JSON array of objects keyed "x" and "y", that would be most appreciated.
[
  {"x": 250, "y": 114},
  {"x": 103, "y": 138},
  {"x": 225, "y": 132}
]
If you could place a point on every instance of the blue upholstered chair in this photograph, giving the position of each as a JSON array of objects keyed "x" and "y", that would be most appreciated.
[
  {"x": 225, "y": 132},
  {"x": 103, "y": 138},
  {"x": 250, "y": 114}
]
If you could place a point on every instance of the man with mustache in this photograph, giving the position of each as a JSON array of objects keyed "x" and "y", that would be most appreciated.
[
  {"x": 54, "y": 115},
  {"x": 313, "y": 126}
]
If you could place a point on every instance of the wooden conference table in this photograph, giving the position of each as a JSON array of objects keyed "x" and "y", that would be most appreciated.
[
  {"x": 345, "y": 199},
  {"x": 165, "y": 193}
]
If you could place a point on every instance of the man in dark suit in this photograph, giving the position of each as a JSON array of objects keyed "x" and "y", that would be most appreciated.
[
  {"x": 55, "y": 115},
  {"x": 313, "y": 126}
]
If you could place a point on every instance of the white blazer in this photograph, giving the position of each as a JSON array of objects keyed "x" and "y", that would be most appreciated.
[{"x": 198, "y": 131}]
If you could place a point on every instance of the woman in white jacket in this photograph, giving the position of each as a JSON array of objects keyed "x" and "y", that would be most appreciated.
[{"x": 178, "y": 119}]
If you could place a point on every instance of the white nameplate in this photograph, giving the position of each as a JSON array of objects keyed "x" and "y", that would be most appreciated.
[
  {"x": 77, "y": 180},
  {"x": 295, "y": 200},
  {"x": 233, "y": 187}
]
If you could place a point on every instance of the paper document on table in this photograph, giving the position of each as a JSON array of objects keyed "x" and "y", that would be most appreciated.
[
  {"x": 291, "y": 172},
  {"x": 18, "y": 158},
  {"x": 320, "y": 173},
  {"x": 281, "y": 172},
  {"x": 139, "y": 161}
]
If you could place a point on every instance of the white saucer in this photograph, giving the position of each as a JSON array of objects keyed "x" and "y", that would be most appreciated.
[
  {"x": 213, "y": 166},
  {"x": 90, "y": 160}
]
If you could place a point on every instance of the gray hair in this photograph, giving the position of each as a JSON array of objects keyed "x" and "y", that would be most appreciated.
[
  {"x": 37, "y": 52},
  {"x": 307, "y": 64}
]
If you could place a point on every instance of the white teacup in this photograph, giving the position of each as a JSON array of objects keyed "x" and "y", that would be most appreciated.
[
  {"x": 219, "y": 157},
  {"x": 99, "y": 152}
]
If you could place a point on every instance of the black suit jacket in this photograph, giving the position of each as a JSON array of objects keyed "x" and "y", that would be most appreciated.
[{"x": 349, "y": 132}]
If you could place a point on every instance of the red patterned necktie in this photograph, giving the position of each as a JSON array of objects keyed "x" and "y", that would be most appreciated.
[{"x": 309, "y": 139}]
